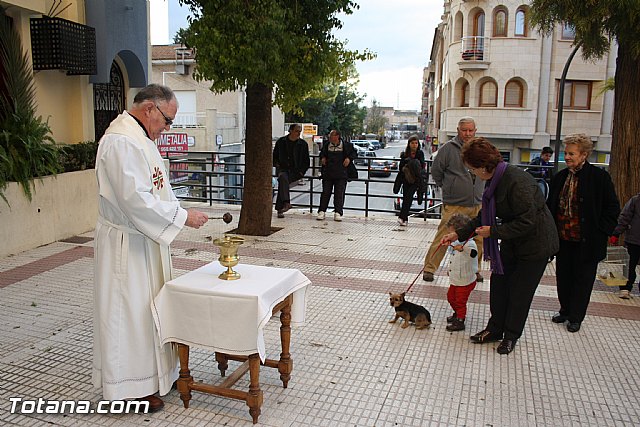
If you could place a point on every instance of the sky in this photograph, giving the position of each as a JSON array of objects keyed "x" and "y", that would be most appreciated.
[{"x": 400, "y": 32}]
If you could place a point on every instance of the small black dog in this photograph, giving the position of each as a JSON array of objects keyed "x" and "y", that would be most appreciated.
[{"x": 410, "y": 312}]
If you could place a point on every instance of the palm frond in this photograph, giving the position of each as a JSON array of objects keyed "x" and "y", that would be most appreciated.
[{"x": 27, "y": 149}]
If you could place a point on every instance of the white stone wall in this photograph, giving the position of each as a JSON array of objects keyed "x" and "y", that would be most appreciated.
[{"x": 534, "y": 61}]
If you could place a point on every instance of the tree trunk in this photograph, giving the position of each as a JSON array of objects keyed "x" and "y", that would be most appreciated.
[
  {"x": 256, "y": 211},
  {"x": 625, "y": 147}
]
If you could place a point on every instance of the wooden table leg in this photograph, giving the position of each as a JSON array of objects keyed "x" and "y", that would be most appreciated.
[
  {"x": 185, "y": 380},
  {"x": 285, "y": 365},
  {"x": 254, "y": 398},
  {"x": 223, "y": 363}
]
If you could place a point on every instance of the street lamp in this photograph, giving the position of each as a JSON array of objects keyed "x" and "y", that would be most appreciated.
[{"x": 561, "y": 104}]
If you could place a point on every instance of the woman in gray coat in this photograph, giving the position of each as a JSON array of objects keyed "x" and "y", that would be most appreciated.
[
  {"x": 514, "y": 212},
  {"x": 629, "y": 224}
]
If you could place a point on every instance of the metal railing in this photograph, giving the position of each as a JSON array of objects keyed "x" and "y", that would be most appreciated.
[
  {"x": 205, "y": 176},
  {"x": 209, "y": 177},
  {"x": 475, "y": 48}
]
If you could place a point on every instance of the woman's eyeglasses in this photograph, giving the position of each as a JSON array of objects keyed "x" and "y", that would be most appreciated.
[{"x": 167, "y": 120}]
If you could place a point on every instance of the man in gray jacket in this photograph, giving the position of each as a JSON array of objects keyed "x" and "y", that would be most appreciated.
[{"x": 461, "y": 192}]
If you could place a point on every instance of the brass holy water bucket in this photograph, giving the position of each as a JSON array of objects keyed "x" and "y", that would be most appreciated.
[{"x": 229, "y": 255}]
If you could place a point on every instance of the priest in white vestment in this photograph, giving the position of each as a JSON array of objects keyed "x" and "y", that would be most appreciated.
[{"x": 139, "y": 216}]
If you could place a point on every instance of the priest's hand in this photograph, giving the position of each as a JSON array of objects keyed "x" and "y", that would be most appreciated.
[{"x": 195, "y": 218}]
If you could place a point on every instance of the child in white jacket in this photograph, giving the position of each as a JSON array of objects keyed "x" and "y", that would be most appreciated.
[{"x": 463, "y": 266}]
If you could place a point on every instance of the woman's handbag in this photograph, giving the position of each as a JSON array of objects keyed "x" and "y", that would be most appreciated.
[
  {"x": 352, "y": 172},
  {"x": 397, "y": 183}
]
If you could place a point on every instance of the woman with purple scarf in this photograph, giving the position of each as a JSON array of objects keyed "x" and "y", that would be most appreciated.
[{"x": 514, "y": 213}]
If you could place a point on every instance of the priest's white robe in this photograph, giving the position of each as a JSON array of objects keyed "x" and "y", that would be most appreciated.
[{"x": 138, "y": 217}]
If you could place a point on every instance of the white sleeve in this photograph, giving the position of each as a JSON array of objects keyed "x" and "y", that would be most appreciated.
[{"x": 124, "y": 166}]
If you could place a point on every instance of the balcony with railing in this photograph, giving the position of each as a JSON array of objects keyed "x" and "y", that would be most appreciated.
[
  {"x": 475, "y": 53},
  {"x": 189, "y": 120}
]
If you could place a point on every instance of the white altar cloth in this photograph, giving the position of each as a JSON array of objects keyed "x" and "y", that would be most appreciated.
[{"x": 228, "y": 316}]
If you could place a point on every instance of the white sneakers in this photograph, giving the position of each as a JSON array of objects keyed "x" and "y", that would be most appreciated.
[
  {"x": 322, "y": 215},
  {"x": 402, "y": 222},
  {"x": 625, "y": 294}
]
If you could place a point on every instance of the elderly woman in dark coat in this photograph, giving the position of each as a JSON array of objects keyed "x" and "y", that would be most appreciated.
[
  {"x": 584, "y": 205},
  {"x": 335, "y": 157},
  {"x": 527, "y": 234}
]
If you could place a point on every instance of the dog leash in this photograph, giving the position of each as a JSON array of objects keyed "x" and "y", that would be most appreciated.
[
  {"x": 421, "y": 271},
  {"x": 414, "y": 282}
]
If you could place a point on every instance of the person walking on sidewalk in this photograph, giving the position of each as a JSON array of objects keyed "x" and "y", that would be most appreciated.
[
  {"x": 291, "y": 159},
  {"x": 585, "y": 207},
  {"x": 138, "y": 217},
  {"x": 410, "y": 178},
  {"x": 463, "y": 266},
  {"x": 461, "y": 192},
  {"x": 335, "y": 157},
  {"x": 629, "y": 224},
  {"x": 527, "y": 236}
]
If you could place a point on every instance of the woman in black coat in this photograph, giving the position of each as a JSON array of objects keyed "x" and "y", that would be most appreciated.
[
  {"x": 527, "y": 239},
  {"x": 335, "y": 157},
  {"x": 411, "y": 177},
  {"x": 584, "y": 205}
]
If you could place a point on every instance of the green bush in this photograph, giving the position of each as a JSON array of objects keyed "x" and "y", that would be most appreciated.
[
  {"x": 27, "y": 149},
  {"x": 77, "y": 157}
]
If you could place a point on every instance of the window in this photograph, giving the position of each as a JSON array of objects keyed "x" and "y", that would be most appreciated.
[
  {"x": 577, "y": 94},
  {"x": 458, "y": 27},
  {"x": 513, "y": 94},
  {"x": 500, "y": 23},
  {"x": 521, "y": 23},
  {"x": 478, "y": 24},
  {"x": 464, "y": 95},
  {"x": 488, "y": 94},
  {"x": 568, "y": 32},
  {"x": 186, "y": 115}
]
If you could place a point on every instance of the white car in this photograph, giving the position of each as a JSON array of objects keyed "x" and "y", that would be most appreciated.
[
  {"x": 364, "y": 144},
  {"x": 363, "y": 156}
]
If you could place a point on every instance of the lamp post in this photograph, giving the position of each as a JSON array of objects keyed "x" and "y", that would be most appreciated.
[{"x": 561, "y": 105}]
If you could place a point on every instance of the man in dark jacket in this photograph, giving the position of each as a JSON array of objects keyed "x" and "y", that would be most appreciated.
[
  {"x": 543, "y": 160},
  {"x": 291, "y": 159}
]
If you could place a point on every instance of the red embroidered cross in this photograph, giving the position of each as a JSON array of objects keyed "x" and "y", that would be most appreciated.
[{"x": 158, "y": 179}]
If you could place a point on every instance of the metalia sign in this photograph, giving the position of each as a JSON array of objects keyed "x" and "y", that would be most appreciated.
[{"x": 172, "y": 143}]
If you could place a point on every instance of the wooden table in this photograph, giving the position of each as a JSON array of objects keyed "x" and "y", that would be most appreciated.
[
  {"x": 253, "y": 397},
  {"x": 228, "y": 317}
]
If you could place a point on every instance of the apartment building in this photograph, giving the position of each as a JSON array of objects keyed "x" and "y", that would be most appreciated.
[{"x": 486, "y": 62}]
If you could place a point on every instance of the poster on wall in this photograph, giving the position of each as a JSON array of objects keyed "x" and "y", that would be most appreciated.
[{"x": 172, "y": 144}]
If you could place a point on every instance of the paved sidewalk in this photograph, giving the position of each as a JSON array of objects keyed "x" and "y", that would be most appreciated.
[{"x": 351, "y": 367}]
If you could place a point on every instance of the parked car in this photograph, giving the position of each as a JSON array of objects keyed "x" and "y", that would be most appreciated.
[
  {"x": 362, "y": 144},
  {"x": 379, "y": 168},
  {"x": 393, "y": 163},
  {"x": 359, "y": 151},
  {"x": 363, "y": 157},
  {"x": 375, "y": 144},
  {"x": 419, "y": 209}
]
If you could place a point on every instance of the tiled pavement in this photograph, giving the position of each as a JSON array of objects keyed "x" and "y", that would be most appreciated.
[{"x": 352, "y": 368}]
